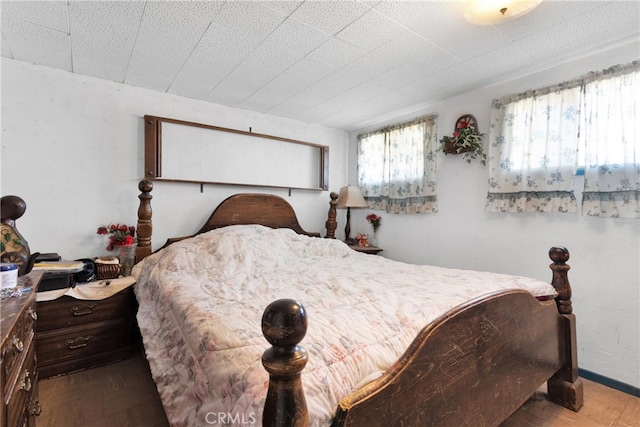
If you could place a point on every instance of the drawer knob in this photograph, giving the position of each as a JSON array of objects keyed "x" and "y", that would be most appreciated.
[
  {"x": 78, "y": 342},
  {"x": 32, "y": 313},
  {"x": 82, "y": 310},
  {"x": 25, "y": 381},
  {"x": 18, "y": 345},
  {"x": 36, "y": 408}
]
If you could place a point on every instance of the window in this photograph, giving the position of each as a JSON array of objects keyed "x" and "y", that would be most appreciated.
[
  {"x": 397, "y": 167},
  {"x": 540, "y": 139}
]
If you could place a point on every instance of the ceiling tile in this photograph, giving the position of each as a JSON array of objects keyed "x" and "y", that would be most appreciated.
[
  {"x": 406, "y": 47},
  {"x": 370, "y": 31},
  {"x": 546, "y": 15},
  {"x": 608, "y": 25},
  {"x": 336, "y": 53},
  {"x": 49, "y": 14},
  {"x": 223, "y": 47},
  {"x": 288, "y": 43},
  {"x": 295, "y": 79},
  {"x": 160, "y": 54},
  {"x": 506, "y": 59},
  {"x": 329, "y": 16},
  {"x": 6, "y": 51},
  {"x": 33, "y": 43},
  {"x": 103, "y": 36},
  {"x": 364, "y": 68},
  {"x": 283, "y": 7},
  {"x": 225, "y": 98}
]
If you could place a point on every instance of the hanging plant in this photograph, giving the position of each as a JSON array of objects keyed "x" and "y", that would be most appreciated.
[{"x": 466, "y": 140}]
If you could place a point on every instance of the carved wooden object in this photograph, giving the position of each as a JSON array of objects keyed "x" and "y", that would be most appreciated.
[
  {"x": 565, "y": 388},
  {"x": 475, "y": 365},
  {"x": 332, "y": 223},
  {"x": 144, "y": 227},
  {"x": 245, "y": 208},
  {"x": 13, "y": 247},
  {"x": 284, "y": 325}
]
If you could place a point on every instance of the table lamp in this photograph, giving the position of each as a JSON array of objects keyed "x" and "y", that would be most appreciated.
[{"x": 350, "y": 197}]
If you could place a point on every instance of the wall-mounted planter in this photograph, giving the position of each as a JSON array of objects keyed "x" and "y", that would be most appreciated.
[{"x": 466, "y": 140}]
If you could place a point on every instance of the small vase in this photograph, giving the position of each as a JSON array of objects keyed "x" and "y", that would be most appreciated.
[
  {"x": 127, "y": 257},
  {"x": 373, "y": 241}
]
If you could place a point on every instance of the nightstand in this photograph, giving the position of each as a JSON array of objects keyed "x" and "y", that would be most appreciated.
[
  {"x": 372, "y": 250},
  {"x": 75, "y": 334}
]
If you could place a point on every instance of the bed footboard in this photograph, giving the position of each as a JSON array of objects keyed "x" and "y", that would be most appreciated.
[{"x": 475, "y": 365}]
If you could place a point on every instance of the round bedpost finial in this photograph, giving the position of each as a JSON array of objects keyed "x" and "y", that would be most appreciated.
[
  {"x": 145, "y": 186},
  {"x": 558, "y": 254},
  {"x": 560, "y": 280},
  {"x": 284, "y": 325}
]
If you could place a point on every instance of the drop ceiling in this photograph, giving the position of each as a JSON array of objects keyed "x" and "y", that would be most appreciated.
[{"x": 342, "y": 64}]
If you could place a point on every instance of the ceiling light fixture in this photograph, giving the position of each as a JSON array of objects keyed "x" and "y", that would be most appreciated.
[{"x": 490, "y": 12}]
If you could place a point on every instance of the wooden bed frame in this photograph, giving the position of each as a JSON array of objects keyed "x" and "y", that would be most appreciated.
[{"x": 475, "y": 365}]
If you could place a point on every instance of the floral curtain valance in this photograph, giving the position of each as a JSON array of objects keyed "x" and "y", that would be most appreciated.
[
  {"x": 538, "y": 139},
  {"x": 397, "y": 167}
]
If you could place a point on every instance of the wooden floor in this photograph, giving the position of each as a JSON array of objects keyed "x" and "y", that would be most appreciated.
[{"x": 123, "y": 394}]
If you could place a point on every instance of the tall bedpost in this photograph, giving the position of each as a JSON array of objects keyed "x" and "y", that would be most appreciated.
[
  {"x": 332, "y": 223},
  {"x": 284, "y": 325},
  {"x": 144, "y": 228},
  {"x": 565, "y": 387}
]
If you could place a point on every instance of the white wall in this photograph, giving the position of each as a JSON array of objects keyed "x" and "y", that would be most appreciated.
[
  {"x": 72, "y": 148},
  {"x": 605, "y": 253}
]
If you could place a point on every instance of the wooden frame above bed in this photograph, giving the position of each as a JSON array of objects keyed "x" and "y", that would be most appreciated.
[{"x": 474, "y": 365}]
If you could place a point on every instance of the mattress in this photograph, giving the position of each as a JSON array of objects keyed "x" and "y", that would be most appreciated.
[{"x": 201, "y": 302}]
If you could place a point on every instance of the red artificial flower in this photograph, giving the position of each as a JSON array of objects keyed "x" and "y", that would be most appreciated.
[
  {"x": 119, "y": 235},
  {"x": 374, "y": 220}
]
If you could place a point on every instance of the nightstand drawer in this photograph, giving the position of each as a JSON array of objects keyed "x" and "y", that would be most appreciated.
[
  {"x": 67, "y": 312},
  {"x": 81, "y": 341}
]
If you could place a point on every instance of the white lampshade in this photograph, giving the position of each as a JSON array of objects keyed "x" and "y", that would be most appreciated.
[
  {"x": 489, "y": 12},
  {"x": 351, "y": 197}
]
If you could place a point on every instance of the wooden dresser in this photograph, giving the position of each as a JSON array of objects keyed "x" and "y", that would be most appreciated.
[
  {"x": 74, "y": 334},
  {"x": 18, "y": 370}
]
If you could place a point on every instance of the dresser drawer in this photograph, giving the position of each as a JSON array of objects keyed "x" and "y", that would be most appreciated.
[
  {"x": 68, "y": 312},
  {"x": 81, "y": 341},
  {"x": 20, "y": 336},
  {"x": 23, "y": 392}
]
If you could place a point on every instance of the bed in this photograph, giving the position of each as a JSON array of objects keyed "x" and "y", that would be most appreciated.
[{"x": 446, "y": 347}]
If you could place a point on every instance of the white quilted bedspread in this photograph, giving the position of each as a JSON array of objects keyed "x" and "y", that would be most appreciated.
[{"x": 202, "y": 299}]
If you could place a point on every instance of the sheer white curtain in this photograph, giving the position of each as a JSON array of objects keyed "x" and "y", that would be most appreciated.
[
  {"x": 539, "y": 139},
  {"x": 397, "y": 167},
  {"x": 611, "y": 141},
  {"x": 533, "y": 151}
]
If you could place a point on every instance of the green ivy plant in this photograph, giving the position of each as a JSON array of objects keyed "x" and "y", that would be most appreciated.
[{"x": 466, "y": 140}]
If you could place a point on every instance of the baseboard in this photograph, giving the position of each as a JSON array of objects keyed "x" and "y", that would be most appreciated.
[{"x": 609, "y": 382}]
